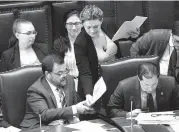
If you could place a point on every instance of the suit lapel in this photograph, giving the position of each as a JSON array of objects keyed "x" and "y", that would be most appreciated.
[
  {"x": 172, "y": 62},
  {"x": 160, "y": 96},
  {"x": 15, "y": 58},
  {"x": 137, "y": 94},
  {"x": 47, "y": 87},
  {"x": 40, "y": 55},
  {"x": 67, "y": 91}
]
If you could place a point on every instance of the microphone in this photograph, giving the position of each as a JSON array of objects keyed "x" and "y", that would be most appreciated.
[
  {"x": 131, "y": 100},
  {"x": 110, "y": 121},
  {"x": 40, "y": 122}
]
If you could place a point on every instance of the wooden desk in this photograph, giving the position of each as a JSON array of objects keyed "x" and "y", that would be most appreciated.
[
  {"x": 62, "y": 128},
  {"x": 108, "y": 127}
]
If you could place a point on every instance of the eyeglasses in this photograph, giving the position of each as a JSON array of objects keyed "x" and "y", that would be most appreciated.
[
  {"x": 29, "y": 33},
  {"x": 62, "y": 72},
  {"x": 70, "y": 24}
]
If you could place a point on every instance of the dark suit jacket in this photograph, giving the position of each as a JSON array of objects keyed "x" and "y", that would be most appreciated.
[
  {"x": 167, "y": 96},
  {"x": 154, "y": 42},
  {"x": 41, "y": 100},
  {"x": 11, "y": 57}
]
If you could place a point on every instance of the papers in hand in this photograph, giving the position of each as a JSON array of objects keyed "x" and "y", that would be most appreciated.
[
  {"x": 99, "y": 90},
  {"x": 128, "y": 26},
  {"x": 157, "y": 118}
]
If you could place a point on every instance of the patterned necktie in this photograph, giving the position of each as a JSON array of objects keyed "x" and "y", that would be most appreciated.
[
  {"x": 150, "y": 103},
  {"x": 62, "y": 99}
]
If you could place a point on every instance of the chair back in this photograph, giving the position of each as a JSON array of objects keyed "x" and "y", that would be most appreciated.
[
  {"x": 14, "y": 85},
  {"x": 115, "y": 71}
]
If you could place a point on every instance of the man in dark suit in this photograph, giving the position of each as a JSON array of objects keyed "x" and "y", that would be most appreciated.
[
  {"x": 150, "y": 91},
  {"x": 161, "y": 42},
  {"x": 53, "y": 97},
  {"x": 23, "y": 50}
]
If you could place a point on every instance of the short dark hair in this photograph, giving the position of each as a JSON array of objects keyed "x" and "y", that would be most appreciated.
[
  {"x": 69, "y": 14},
  {"x": 148, "y": 70},
  {"x": 175, "y": 29},
  {"x": 91, "y": 12},
  {"x": 48, "y": 62},
  {"x": 16, "y": 24}
]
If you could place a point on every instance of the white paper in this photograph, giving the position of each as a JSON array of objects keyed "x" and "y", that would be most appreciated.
[
  {"x": 128, "y": 26},
  {"x": 86, "y": 126},
  {"x": 163, "y": 118},
  {"x": 175, "y": 127},
  {"x": 138, "y": 21},
  {"x": 2, "y": 129},
  {"x": 99, "y": 90},
  {"x": 10, "y": 129}
]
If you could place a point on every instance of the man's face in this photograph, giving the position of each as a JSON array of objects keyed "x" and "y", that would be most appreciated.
[
  {"x": 26, "y": 34},
  {"x": 149, "y": 85},
  {"x": 58, "y": 74},
  {"x": 176, "y": 40},
  {"x": 92, "y": 27},
  {"x": 73, "y": 25}
]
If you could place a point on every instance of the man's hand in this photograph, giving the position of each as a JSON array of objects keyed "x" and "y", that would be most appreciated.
[
  {"x": 89, "y": 100},
  {"x": 83, "y": 109},
  {"x": 134, "y": 113},
  {"x": 134, "y": 33}
]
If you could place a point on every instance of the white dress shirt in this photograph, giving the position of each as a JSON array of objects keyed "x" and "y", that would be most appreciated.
[
  {"x": 164, "y": 62},
  {"x": 70, "y": 62}
]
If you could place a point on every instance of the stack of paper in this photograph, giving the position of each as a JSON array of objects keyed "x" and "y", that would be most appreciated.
[
  {"x": 86, "y": 126},
  {"x": 157, "y": 118}
]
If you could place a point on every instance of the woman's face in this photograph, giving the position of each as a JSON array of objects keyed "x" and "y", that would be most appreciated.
[
  {"x": 73, "y": 25},
  {"x": 93, "y": 27}
]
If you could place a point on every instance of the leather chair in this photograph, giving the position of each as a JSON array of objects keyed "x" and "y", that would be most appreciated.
[
  {"x": 14, "y": 85},
  {"x": 124, "y": 47},
  {"x": 115, "y": 71}
]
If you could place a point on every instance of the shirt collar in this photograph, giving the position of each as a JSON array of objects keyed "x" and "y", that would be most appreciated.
[
  {"x": 171, "y": 41},
  {"x": 53, "y": 87}
]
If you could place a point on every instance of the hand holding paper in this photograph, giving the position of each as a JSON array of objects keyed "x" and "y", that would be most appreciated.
[
  {"x": 129, "y": 28},
  {"x": 99, "y": 90}
]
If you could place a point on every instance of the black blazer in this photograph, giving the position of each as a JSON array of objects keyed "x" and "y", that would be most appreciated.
[
  {"x": 11, "y": 57},
  {"x": 87, "y": 61},
  {"x": 167, "y": 96}
]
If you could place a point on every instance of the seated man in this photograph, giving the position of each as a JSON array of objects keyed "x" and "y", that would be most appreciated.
[
  {"x": 150, "y": 91},
  {"x": 53, "y": 97},
  {"x": 23, "y": 51},
  {"x": 161, "y": 42}
]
